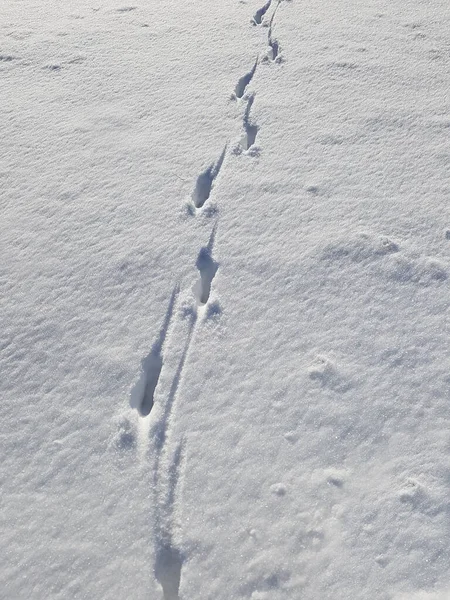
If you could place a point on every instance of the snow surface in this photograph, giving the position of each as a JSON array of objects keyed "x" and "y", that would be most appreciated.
[{"x": 225, "y": 287}]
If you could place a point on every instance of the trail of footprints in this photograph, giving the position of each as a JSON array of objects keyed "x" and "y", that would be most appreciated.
[{"x": 169, "y": 456}]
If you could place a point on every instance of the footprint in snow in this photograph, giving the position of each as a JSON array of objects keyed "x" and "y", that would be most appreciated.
[
  {"x": 142, "y": 395},
  {"x": 244, "y": 82},
  {"x": 247, "y": 142},
  {"x": 259, "y": 14},
  {"x": 205, "y": 181},
  {"x": 208, "y": 268}
]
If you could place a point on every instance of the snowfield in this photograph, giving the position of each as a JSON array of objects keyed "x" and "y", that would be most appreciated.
[{"x": 225, "y": 345}]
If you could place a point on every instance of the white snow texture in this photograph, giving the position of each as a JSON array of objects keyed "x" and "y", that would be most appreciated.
[{"x": 225, "y": 347}]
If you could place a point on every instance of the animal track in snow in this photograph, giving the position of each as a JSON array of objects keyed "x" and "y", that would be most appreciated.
[
  {"x": 250, "y": 129},
  {"x": 274, "y": 52},
  {"x": 259, "y": 14},
  {"x": 143, "y": 393},
  {"x": 168, "y": 571},
  {"x": 208, "y": 269},
  {"x": 274, "y": 46},
  {"x": 168, "y": 465},
  {"x": 247, "y": 142},
  {"x": 244, "y": 81},
  {"x": 205, "y": 181},
  {"x": 274, "y": 49}
]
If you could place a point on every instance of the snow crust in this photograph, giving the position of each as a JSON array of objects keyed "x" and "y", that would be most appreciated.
[{"x": 225, "y": 244}]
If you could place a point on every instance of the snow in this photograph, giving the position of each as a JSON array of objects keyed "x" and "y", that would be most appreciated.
[{"x": 224, "y": 356}]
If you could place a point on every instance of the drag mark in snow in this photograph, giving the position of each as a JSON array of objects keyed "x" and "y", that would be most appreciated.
[
  {"x": 205, "y": 181},
  {"x": 169, "y": 559},
  {"x": 143, "y": 392},
  {"x": 208, "y": 269},
  {"x": 274, "y": 13},
  {"x": 244, "y": 81},
  {"x": 259, "y": 14},
  {"x": 159, "y": 430}
]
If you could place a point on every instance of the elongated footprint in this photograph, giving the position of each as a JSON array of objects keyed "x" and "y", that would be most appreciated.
[
  {"x": 142, "y": 395},
  {"x": 205, "y": 181}
]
